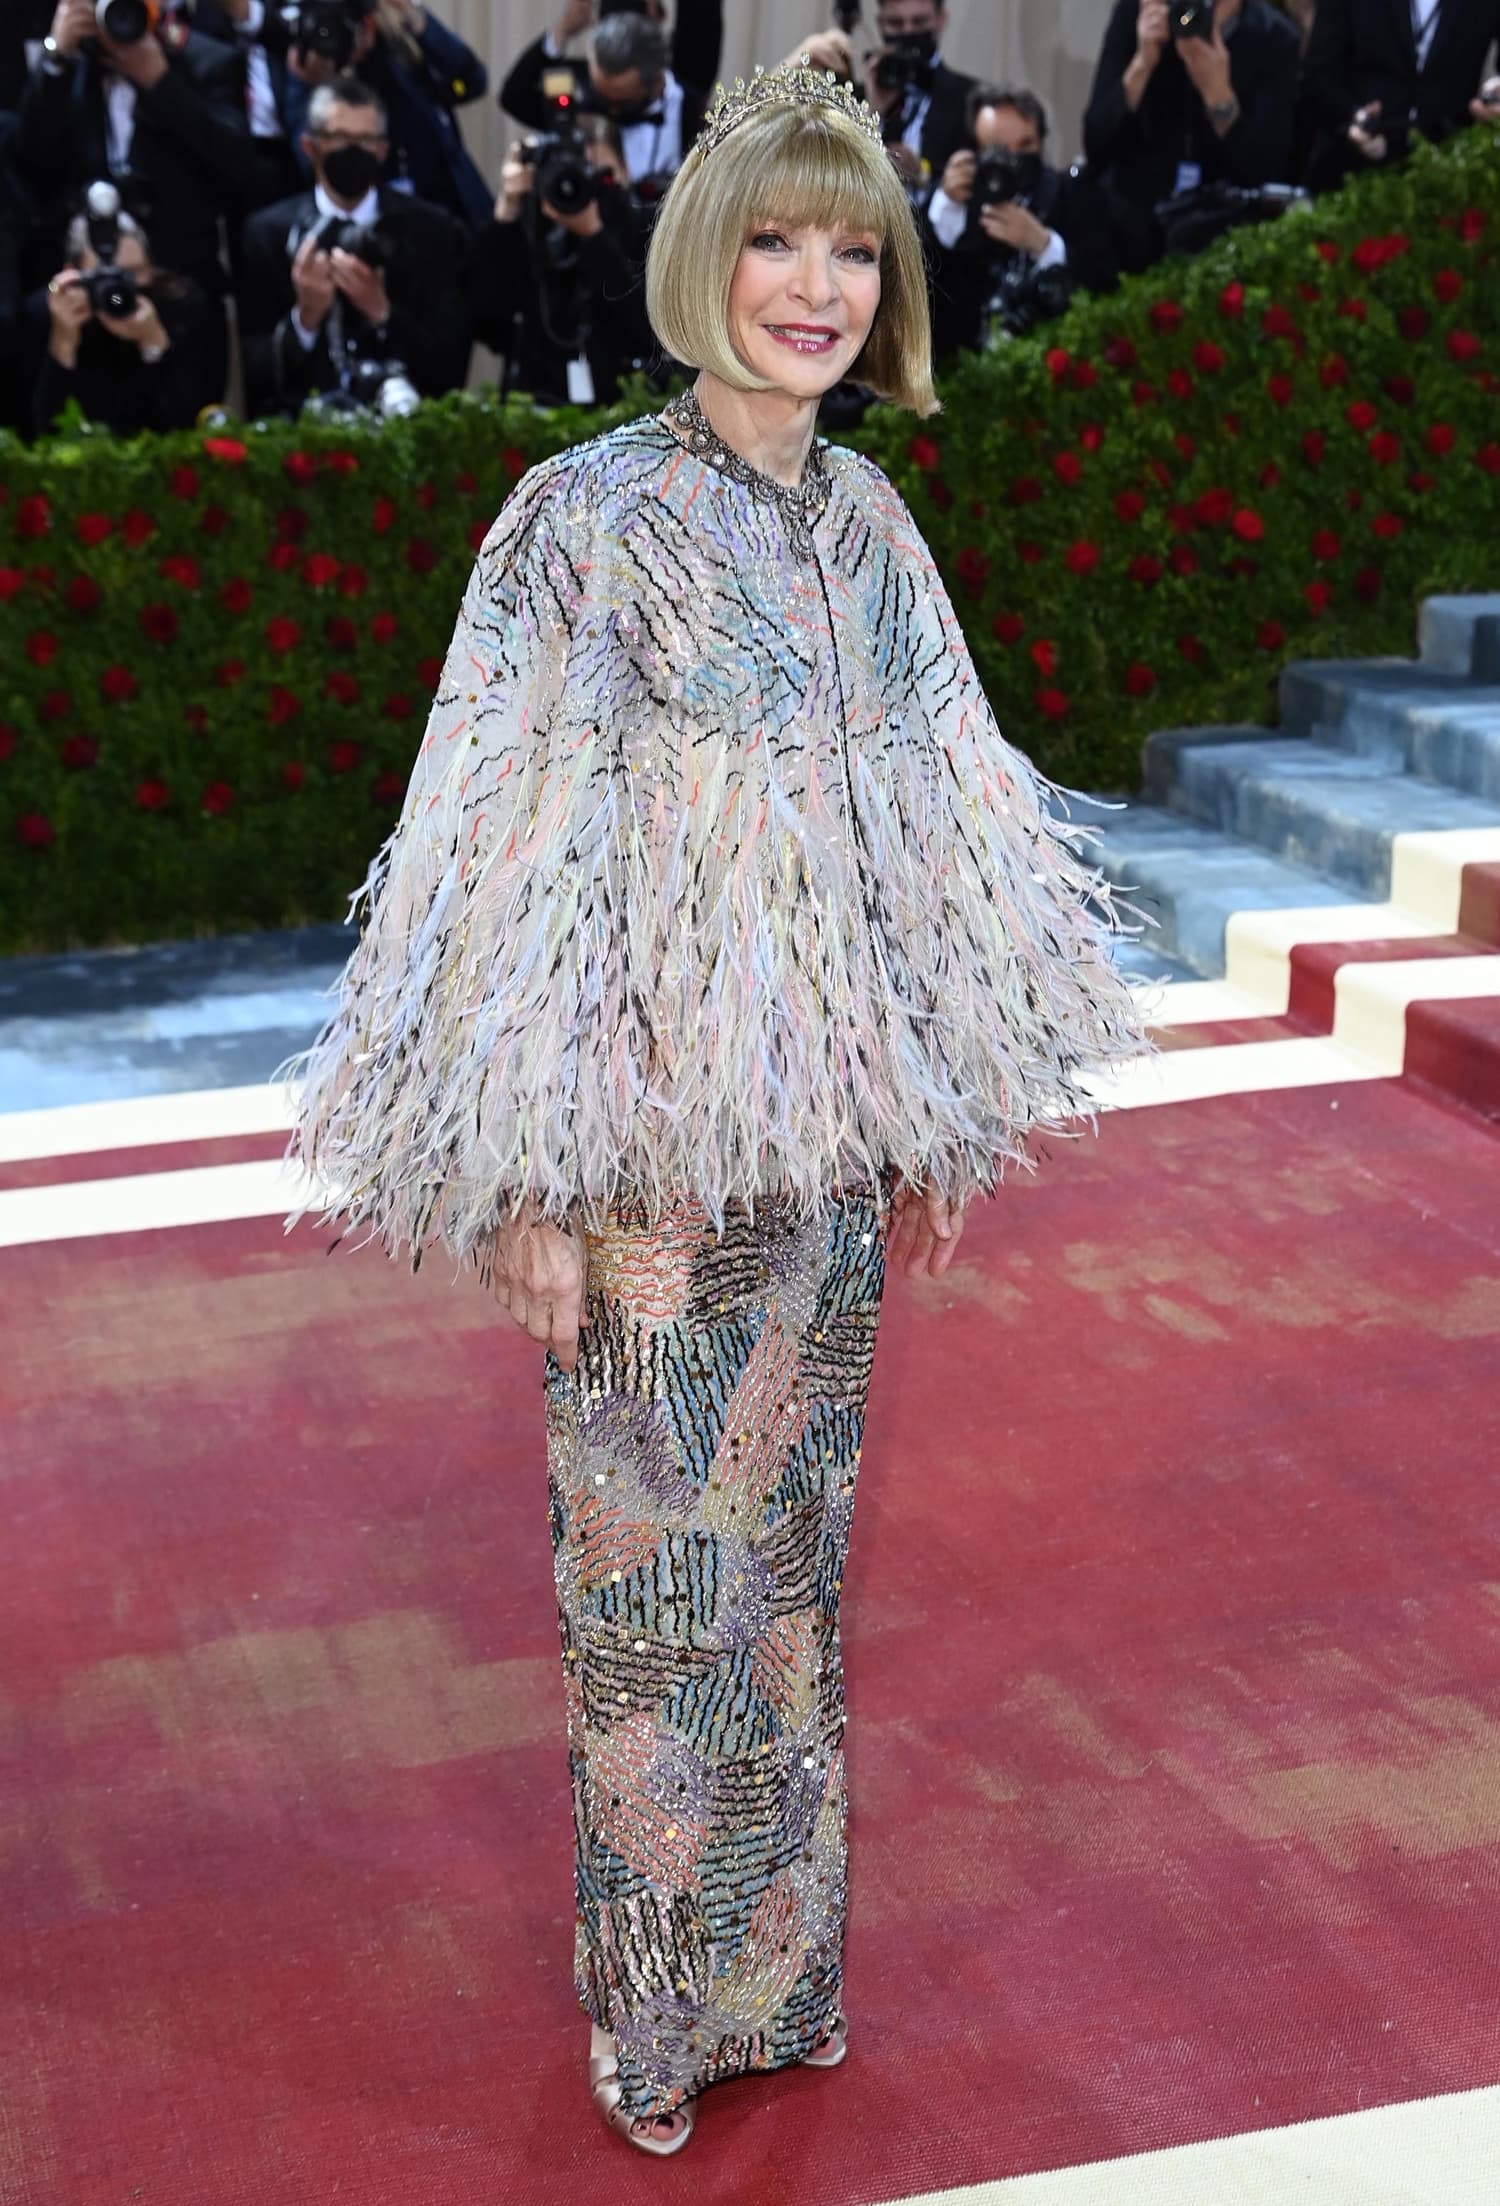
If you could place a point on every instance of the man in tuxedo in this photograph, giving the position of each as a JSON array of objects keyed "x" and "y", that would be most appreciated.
[
  {"x": 1376, "y": 70},
  {"x": 985, "y": 261},
  {"x": 921, "y": 102},
  {"x": 312, "y": 313},
  {"x": 1170, "y": 112},
  {"x": 628, "y": 78}
]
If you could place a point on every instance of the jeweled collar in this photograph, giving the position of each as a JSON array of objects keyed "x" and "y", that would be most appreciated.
[{"x": 799, "y": 506}]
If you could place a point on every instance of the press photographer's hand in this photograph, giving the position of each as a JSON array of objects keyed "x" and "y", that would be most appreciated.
[
  {"x": 312, "y": 280},
  {"x": 142, "y": 326},
  {"x": 68, "y": 309},
  {"x": 1153, "y": 31},
  {"x": 1015, "y": 225},
  {"x": 72, "y": 24},
  {"x": 362, "y": 285},
  {"x": 958, "y": 176},
  {"x": 1365, "y": 135}
]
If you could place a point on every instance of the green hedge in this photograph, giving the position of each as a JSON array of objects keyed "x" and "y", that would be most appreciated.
[{"x": 216, "y": 650}]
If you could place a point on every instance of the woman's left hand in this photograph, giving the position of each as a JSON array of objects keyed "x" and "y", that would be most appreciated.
[{"x": 925, "y": 1229}]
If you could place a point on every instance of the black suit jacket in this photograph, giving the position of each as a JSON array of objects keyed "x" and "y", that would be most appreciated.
[
  {"x": 1364, "y": 50},
  {"x": 1136, "y": 155},
  {"x": 602, "y": 290},
  {"x": 191, "y": 157},
  {"x": 943, "y": 130},
  {"x": 961, "y": 278},
  {"x": 697, "y": 42},
  {"x": 429, "y": 327}
]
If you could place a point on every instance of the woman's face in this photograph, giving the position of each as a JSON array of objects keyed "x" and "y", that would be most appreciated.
[{"x": 825, "y": 281}]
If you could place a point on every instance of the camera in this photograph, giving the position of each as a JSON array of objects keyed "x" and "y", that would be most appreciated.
[
  {"x": 1034, "y": 297},
  {"x": 362, "y": 239},
  {"x": 561, "y": 171},
  {"x": 324, "y": 29},
  {"x": 1001, "y": 176},
  {"x": 109, "y": 288},
  {"x": 906, "y": 64},
  {"x": 127, "y": 22},
  {"x": 1193, "y": 19},
  {"x": 380, "y": 387}
]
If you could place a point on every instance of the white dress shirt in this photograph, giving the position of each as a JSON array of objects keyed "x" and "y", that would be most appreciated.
[
  {"x": 368, "y": 210},
  {"x": 1424, "y": 23},
  {"x": 260, "y": 98},
  {"x": 948, "y": 217}
]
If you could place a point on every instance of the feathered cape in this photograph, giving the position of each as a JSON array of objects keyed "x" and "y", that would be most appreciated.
[{"x": 715, "y": 876}]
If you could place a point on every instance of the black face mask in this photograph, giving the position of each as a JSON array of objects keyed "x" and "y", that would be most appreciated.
[{"x": 351, "y": 170}]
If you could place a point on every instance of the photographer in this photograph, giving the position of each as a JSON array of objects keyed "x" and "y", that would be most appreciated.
[
  {"x": 1008, "y": 238},
  {"x": 121, "y": 339},
  {"x": 1187, "y": 96},
  {"x": 628, "y": 78},
  {"x": 353, "y": 278},
  {"x": 921, "y": 102},
  {"x": 559, "y": 290},
  {"x": 1371, "y": 76}
]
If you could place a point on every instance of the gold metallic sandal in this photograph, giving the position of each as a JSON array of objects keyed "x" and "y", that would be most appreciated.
[
  {"x": 831, "y": 2046},
  {"x": 604, "y": 2083}
]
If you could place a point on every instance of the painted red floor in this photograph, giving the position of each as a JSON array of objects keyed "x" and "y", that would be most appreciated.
[{"x": 1173, "y": 1642}]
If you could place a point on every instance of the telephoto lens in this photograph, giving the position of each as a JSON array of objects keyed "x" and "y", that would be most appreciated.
[{"x": 125, "y": 21}]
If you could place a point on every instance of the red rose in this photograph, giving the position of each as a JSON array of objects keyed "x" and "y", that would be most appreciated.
[
  {"x": 1161, "y": 474},
  {"x": 1183, "y": 560},
  {"x": 1129, "y": 506},
  {"x": 344, "y": 757},
  {"x": 83, "y": 594},
  {"x": 1186, "y": 445},
  {"x": 1325, "y": 545},
  {"x": 1166, "y": 317},
  {"x": 1440, "y": 440},
  {"x": 1446, "y": 285},
  {"x": 387, "y": 789},
  {"x": 1413, "y": 323},
  {"x": 384, "y": 627},
  {"x": 1327, "y": 251},
  {"x": 282, "y": 635},
  {"x": 1025, "y": 491},
  {"x": 1009, "y": 628},
  {"x": 1471, "y": 225},
  {"x": 228, "y": 451},
  {"x": 213, "y": 520},
  {"x": 319, "y": 569},
  {"x": 1055, "y": 703},
  {"x": 1214, "y": 508},
  {"x": 341, "y": 463},
  {"x": 1387, "y": 526},
  {"x": 1091, "y": 436},
  {"x": 1248, "y": 526},
  {"x": 1121, "y": 355},
  {"x": 973, "y": 569},
  {"x": 1488, "y": 457},
  {"x": 7, "y": 742},
  {"x": 1232, "y": 302},
  {"x": 1401, "y": 390},
  {"x": 1084, "y": 375},
  {"x": 1082, "y": 558},
  {"x": 340, "y": 633},
  {"x": 1319, "y": 596},
  {"x": 33, "y": 519},
  {"x": 35, "y": 830},
  {"x": 291, "y": 523},
  {"x": 939, "y": 492},
  {"x": 42, "y": 647},
  {"x": 1044, "y": 655},
  {"x": 183, "y": 483},
  {"x": 1208, "y": 358},
  {"x": 282, "y": 556},
  {"x": 293, "y": 774},
  {"x": 513, "y": 459},
  {"x": 1270, "y": 475},
  {"x": 1353, "y": 310},
  {"x": 236, "y": 595},
  {"x": 1360, "y": 414},
  {"x": 43, "y": 577},
  {"x": 137, "y": 528},
  {"x": 1354, "y": 499},
  {"x": 1278, "y": 321},
  {"x": 425, "y": 495},
  {"x": 282, "y": 705},
  {"x": 1180, "y": 384},
  {"x": 1067, "y": 467},
  {"x": 922, "y": 452},
  {"x": 1314, "y": 447},
  {"x": 217, "y": 799},
  {"x": 117, "y": 684},
  {"x": 342, "y": 687},
  {"x": 181, "y": 568},
  {"x": 353, "y": 582},
  {"x": 12, "y": 582},
  {"x": 78, "y": 753},
  {"x": 57, "y": 704},
  {"x": 1334, "y": 371},
  {"x": 475, "y": 535},
  {"x": 1058, "y": 363},
  {"x": 1191, "y": 649},
  {"x": 1368, "y": 584},
  {"x": 1139, "y": 680},
  {"x": 465, "y": 482},
  {"x": 1419, "y": 482},
  {"x": 152, "y": 796},
  {"x": 92, "y": 528},
  {"x": 1385, "y": 449},
  {"x": 299, "y": 467},
  {"x": 1143, "y": 394},
  {"x": 1464, "y": 346},
  {"x": 1146, "y": 571},
  {"x": 1270, "y": 635},
  {"x": 158, "y": 624},
  {"x": 228, "y": 672}
]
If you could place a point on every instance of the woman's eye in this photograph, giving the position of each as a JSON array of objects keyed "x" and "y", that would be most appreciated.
[{"x": 774, "y": 237}]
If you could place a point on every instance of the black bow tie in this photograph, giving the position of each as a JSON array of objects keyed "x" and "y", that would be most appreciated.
[{"x": 656, "y": 115}]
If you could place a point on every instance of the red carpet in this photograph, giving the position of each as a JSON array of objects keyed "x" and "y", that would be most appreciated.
[{"x": 1173, "y": 1643}]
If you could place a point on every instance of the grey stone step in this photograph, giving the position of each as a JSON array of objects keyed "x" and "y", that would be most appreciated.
[
  {"x": 1461, "y": 635},
  {"x": 1331, "y": 811},
  {"x": 1406, "y": 717},
  {"x": 1191, "y": 878}
]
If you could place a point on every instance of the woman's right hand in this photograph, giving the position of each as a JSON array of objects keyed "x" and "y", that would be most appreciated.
[
  {"x": 541, "y": 1279},
  {"x": 924, "y": 1229}
]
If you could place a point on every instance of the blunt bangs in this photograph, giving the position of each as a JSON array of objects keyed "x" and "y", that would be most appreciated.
[{"x": 792, "y": 167}]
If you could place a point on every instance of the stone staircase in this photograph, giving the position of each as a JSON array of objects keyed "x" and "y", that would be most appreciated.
[{"x": 1341, "y": 873}]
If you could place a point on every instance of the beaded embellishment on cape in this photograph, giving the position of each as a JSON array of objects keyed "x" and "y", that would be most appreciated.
[{"x": 799, "y": 507}]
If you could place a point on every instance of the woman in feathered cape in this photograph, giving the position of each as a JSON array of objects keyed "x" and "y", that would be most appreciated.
[{"x": 724, "y": 951}]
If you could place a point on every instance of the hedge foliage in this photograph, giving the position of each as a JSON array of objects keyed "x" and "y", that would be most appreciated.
[{"x": 217, "y": 648}]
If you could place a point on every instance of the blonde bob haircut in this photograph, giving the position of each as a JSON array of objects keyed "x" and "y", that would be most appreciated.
[{"x": 791, "y": 165}]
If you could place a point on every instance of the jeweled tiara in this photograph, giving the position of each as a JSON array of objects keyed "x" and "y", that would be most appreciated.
[{"x": 797, "y": 83}]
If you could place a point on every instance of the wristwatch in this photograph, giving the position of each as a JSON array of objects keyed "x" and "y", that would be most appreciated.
[
  {"x": 152, "y": 353},
  {"x": 1221, "y": 110}
]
